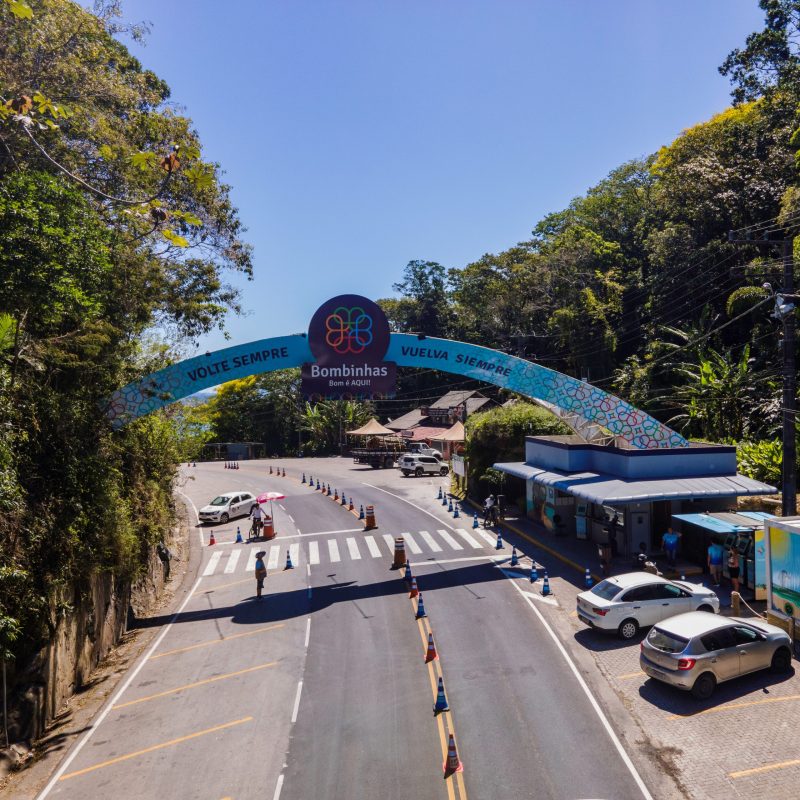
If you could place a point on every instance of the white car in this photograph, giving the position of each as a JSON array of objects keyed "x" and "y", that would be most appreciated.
[
  {"x": 419, "y": 465},
  {"x": 636, "y": 600},
  {"x": 227, "y": 506}
]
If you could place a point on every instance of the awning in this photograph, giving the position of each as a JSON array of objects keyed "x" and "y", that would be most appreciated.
[
  {"x": 423, "y": 433},
  {"x": 611, "y": 490},
  {"x": 372, "y": 428},
  {"x": 454, "y": 434},
  {"x": 726, "y": 523}
]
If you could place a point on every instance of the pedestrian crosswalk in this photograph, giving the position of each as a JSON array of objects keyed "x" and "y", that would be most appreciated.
[{"x": 352, "y": 548}]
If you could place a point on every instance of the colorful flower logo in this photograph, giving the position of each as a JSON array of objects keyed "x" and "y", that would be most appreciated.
[{"x": 348, "y": 330}]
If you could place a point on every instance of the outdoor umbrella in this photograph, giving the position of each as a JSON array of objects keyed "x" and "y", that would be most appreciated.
[{"x": 269, "y": 497}]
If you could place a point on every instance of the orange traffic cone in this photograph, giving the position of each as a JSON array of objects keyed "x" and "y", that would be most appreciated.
[
  {"x": 431, "y": 654},
  {"x": 414, "y": 590},
  {"x": 212, "y": 540},
  {"x": 453, "y": 764}
]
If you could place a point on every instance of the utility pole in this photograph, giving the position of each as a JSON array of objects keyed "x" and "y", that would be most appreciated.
[{"x": 784, "y": 312}]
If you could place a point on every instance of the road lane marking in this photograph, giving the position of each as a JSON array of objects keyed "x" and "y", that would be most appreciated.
[
  {"x": 419, "y": 508},
  {"x": 487, "y": 537},
  {"x": 470, "y": 540},
  {"x": 196, "y": 517},
  {"x": 274, "y": 555},
  {"x": 308, "y": 631},
  {"x": 215, "y": 641},
  {"x": 412, "y": 543},
  {"x": 330, "y": 533},
  {"x": 449, "y": 539},
  {"x": 355, "y": 553},
  {"x": 373, "y": 548},
  {"x": 430, "y": 541},
  {"x": 297, "y": 702},
  {"x": 766, "y": 768},
  {"x": 225, "y": 586},
  {"x": 233, "y": 558},
  {"x": 194, "y": 685},
  {"x": 592, "y": 700},
  {"x": 333, "y": 550},
  {"x": 251, "y": 561},
  {"x": 154, "y": 747},
  {"x": 389, "y": 540},
  {"x": 313, "y": 552},
  {"x": 93, "y": 726},
  {"x": 278, "y": 787},
  {"x": 294, "y": 553},
  {"x": 630, "y": 675},
  {"x": 733, "y": 706},
  {"x": 212, "y": 563}
]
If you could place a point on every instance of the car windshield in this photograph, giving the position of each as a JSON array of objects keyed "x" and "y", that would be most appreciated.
[
  {"x": 219, "y": 501},
  {"x": 667, "y": 642},
  {"x": 606, "y": 589}
]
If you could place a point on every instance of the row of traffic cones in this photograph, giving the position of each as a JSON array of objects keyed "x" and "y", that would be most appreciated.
[
  {"x": 279, "y": 471},
  {"x": 231, "y": 465},
  {"x": 367, "y": 517}
]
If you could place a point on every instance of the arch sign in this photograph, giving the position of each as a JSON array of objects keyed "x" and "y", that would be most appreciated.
[{"x": 350, "y": 352}]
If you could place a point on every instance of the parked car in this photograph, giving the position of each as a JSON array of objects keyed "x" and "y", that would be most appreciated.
[
  {"x": 625, "y": 603},
  {"x": 695, "y": 651},
  {"x": 414, "y": 464},
  {"x": 227, "y": 506}
]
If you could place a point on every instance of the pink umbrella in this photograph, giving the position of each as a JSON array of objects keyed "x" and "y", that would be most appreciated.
[{"x": 269, "y": 497}]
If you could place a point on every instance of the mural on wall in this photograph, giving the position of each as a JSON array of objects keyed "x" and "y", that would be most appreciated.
[
  {"x": 784, "y": 570},
  {"x": 407, "y": 350}
]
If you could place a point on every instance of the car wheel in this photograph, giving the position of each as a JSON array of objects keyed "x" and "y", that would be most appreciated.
[
  {"x": 628, "y": 629},
  {"x": 704, "y": 686},
  {"x": 781, "y": 660},
  {"x": 443, "y": 471},
  {"x": 419, "y": 472},
  {"x": 224, "y": 519},
  {"x": 705, "y": 607},
  {"x": 405, "y": 472}
]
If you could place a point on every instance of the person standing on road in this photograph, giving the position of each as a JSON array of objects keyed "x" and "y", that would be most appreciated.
[
  {"x": 715, "y": 552},
  {"x": 669, "y": 541},
  {"x": 261, "y": 573},
  {"x": 733, "y": 567}
]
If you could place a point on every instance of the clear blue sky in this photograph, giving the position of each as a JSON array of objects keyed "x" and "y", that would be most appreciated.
[{"x": 361, "y": 134}]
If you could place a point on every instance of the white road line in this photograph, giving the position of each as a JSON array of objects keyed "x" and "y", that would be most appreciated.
[
  {"x": 113, "y": 701},
  {"x": 297, "y": 702},
  {"x": 430, "y": 541},
  {"x": 412, "y": 543},
  {"x": 274, "y": 555},
  {"x": 582, "y": 683},
  {"x": 419, "y": 508},
  {"x": 487, "y": 537},
  {"x": 355, "y": 554},
  {"x": 294, "y": 553},
  {"x": 333, "y": 550},
  {"x": 471, "y": 541},
  {"x": 196, "y": 518},
  {"x": 278, "y": 787},
  {"x": 281, "y": 507},
  {"x": 330, "y": 533},
  {"x": 251, "y": 561},
  {"x": 212, "y": 563},
  {"x": 373, "y": 548},
  {"x": 313, "y": 552},
  {"x": 291, "y": 518},
  {"x": 389, "y": 542},
  {"x": 450, "y": 540},
  {"x": 308, "y": 631},
  {"x": 233, "y": 558}
]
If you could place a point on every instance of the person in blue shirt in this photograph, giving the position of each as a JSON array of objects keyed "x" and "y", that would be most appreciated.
[
  {"x": 261, "y": 574},
  {"x": 715, "y": 554},
  {"x": 669, "y": 541}
]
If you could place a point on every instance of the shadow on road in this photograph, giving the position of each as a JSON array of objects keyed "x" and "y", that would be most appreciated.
[{"x": 600, "y": 642}]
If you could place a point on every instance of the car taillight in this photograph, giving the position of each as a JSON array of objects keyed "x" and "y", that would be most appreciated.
[
  {"x": 686, "y": 663},
  {"x": 600, "y": 611}
]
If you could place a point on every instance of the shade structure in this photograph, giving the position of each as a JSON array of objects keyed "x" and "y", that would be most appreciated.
[
  {"x": 454, "y": 434},
  {"x": 372, "y": 428},
  {"x": 268, "y": 497}
]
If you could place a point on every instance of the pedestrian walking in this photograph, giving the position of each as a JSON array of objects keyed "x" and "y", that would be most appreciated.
[
  {"x": 261, "y": 572},
  {"x": 715, "y": 553},
  {"x": 669, "y": 541},
  {"x": 733, "y": 568}
]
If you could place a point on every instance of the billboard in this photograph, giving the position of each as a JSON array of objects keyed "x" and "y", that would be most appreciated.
[{"x": 783, "y": 565}]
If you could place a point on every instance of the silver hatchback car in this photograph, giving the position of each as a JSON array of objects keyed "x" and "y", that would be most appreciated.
[{"x": 696, "y": 651}]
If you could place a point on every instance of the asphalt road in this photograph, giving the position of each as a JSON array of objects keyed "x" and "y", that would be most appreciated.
[{"x": 322, "y": 690}]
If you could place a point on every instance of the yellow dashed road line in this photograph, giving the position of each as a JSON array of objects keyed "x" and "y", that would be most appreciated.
[
  {"x": 734, "y": 706},
  {"x": 216, "y": 641},
  {"x": 766, "y": 768}
]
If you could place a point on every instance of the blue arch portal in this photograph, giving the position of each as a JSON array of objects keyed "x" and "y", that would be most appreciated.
[{"x": 587, "y": 402}]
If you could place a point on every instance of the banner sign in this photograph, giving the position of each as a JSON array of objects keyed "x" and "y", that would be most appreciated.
[
  {"x": 348, "y": 336},
  {"x": 459, "y": 466}
]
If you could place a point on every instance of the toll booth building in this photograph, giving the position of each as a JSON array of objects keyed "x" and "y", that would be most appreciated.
[{"x": 621, "y": 496}]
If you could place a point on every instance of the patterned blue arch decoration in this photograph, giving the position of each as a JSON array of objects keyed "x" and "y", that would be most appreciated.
[{"x": 407, "y": 350}]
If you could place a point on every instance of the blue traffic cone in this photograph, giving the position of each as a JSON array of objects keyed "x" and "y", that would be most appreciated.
[
  {"x": 441, "y": 700},
  {"x": 456, "y": 513},
  {"x": 450, "y": 507},
  {"x": 238, "y": 535},
  {"x": 304, "y": 478},
  {"x": 329, "y": 490},
  {"x": 499, "y": 545},
  {"x": 439, "y": 496},
  {"x": 534, "y": 572},
  {"x": 444, "y": 499},
  {"x": 407, "y": 573},
  {"x": 289, "y": 564},
  {"x": 344, "y": 502},
  {"x": 545, "y": 585},
  {"x": 361, "y": 513},
  {"x": 514, "y": 558},
  {"x": 588, "y": 579},
  {"x": 317, "y": 484},
  {"x": 475, "y": 520},
  {"x": 420, "y": 608}
]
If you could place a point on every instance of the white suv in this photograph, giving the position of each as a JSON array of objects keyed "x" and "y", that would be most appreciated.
[{"x": 413, "y": 464}]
